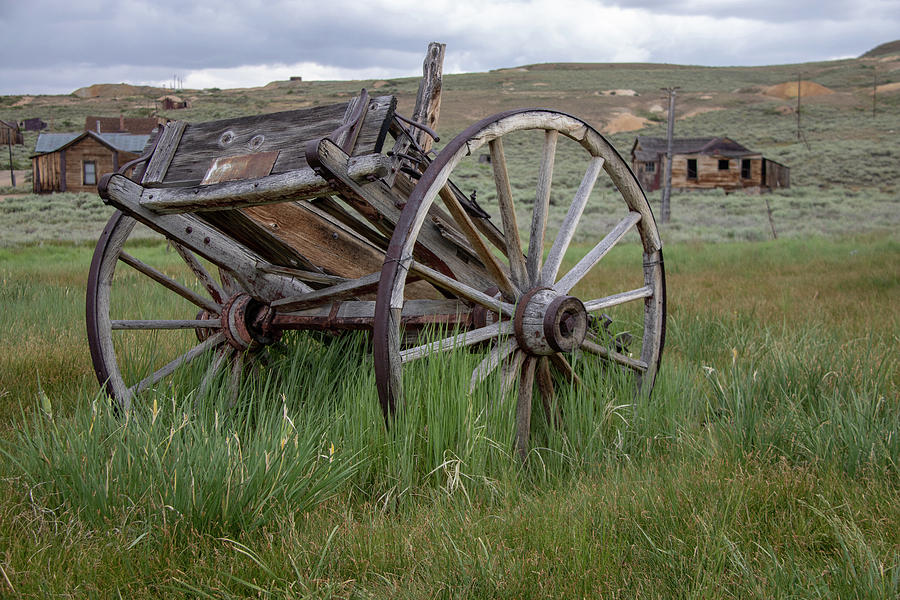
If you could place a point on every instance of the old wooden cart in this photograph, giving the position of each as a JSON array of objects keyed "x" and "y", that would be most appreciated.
[{"x": 326, "y": 219}]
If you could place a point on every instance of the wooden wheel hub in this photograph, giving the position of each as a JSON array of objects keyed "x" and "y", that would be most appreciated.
[
  {"x": 246, "y": 323},
  {"x": 547, "y": 322}
]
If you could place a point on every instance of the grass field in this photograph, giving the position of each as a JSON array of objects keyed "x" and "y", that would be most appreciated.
[{"x": 765, "y": 465}]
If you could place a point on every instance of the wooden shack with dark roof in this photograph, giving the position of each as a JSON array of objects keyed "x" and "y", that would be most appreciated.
[
  {"x": 74, "y": 162},
  {"x": 10, "y": 134},
  {"x": 706, "y": 163}
]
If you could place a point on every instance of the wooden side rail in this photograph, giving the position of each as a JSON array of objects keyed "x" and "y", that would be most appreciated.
[{"x": 301, "y": 184}]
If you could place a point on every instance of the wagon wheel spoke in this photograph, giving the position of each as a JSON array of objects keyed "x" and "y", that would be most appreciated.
[
  {"x": 550, "y": 325},
  {"x": 593, "y": 347},
  {"x": 570, "y": 223},
  {"x": 577, "y": 273},
  {"x": 174, "y": 365},
  {"x": 510, "y": 372},
  {"x": 541, "y": 206},
  {"x": 222, "y": 355},
  {"x": 461, "y": 289},
  {"x": 461, "y": 340},
  {"x": 229, "y": 284},
  {"x": 523, "y": 407},
  {"x": 617, "y": 299},
  {"x": 548, "y": 394},
  {"x": 234, "y": 379},
  {"x": 497, "y": 271},
  {"x": 498, "y": 354},
  {"x": 562, "y": 365},
  {"x": 339, "y": 291},
  {"x": 211, "y": 285},
  {"x": 146, "y": 325},
  {"x": 517, "y": 266},
  {"x": 169, "y": 283}
]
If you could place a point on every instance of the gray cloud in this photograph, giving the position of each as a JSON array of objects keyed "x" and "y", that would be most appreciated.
[{"x": 62, "y": 45}]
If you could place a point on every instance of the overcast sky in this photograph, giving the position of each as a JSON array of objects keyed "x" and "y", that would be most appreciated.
[{"x": 57, "y": 46}]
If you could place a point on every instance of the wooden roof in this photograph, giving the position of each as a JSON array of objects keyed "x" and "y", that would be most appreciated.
[
  {"x": 648, "y": 148},
  {"x": 133, "y": 125},
  {"x": 126, "y": 142}
]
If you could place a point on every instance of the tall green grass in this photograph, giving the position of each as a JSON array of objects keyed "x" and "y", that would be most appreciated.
[{"x": 764, "y": 465}]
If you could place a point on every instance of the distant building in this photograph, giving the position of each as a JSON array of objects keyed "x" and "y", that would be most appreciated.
[
  {"x": 171, "y": 102},
  {"x": 35, "y": 124},
  {"x": 706, "y": 163},
  {"x": 73, "y": 162},
  {"x": 10, "y": 134},
  {"x": 122, "y": 124}
]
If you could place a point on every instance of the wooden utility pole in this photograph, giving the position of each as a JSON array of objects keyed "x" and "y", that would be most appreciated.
[
  {"x": 799, "y": 93},
  {"x": 874, "y": 88},
  {"x": 670, "y": 131},
  {"x": 12, "y": 174}
]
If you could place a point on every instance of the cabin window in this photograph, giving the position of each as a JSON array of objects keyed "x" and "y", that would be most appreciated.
[
  {"x": 89, "y": 172},
  {"x": 724, "y": 164},
  {"x": 650, "y": 167},
  {"x": 745, "y": 168},
  {"x": 692, "y": 168}
]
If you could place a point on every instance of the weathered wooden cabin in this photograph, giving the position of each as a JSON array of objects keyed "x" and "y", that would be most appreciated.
[
  {"x": 35, "y": 124},
  {"x": 73, "y": 162},
  {"x": 10, "y": 134},
  {"x": 171, "y": 102},
  {"x": 706, "y": 163},
  {"x": 122, "y": 124}
]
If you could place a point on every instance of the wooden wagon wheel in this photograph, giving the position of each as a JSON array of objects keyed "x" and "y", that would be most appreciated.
[
  {"x": 190, "y": 316},
  {"x": 533, "y": 323}
]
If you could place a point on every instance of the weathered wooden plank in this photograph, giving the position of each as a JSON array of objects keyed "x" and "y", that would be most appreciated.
[
  {"x": 162, "y": 157},
  {"x": 426, "y": 111},
  {"x": 285, "y": 132},
  {"x": 339, "y": 291},
  {"x": 208, "y": 242},
  {"x": 428, "y": 98},
  {"x": 375, "y": 202},
  {"x": 294, "y": 185},
  {"x": 235, "y": 168},
  {"x": 498, "y": 272}
]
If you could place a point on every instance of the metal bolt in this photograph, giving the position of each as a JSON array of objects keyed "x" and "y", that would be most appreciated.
[
  {"x": 189, "y": 229},
  {"x": 334, "y": 235},
  {"x": 206, "y": 240}
]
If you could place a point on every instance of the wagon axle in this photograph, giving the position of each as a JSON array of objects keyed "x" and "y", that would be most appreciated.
[
  {"x": 547, "y": 322},
  {"x": 247, "y": 323}
]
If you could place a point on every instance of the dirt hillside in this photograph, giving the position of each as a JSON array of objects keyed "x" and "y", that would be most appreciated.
[{"x": 789, "y": 89}]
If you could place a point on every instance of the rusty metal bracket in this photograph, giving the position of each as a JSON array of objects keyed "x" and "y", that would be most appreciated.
[{"x": 417, "y": 125}]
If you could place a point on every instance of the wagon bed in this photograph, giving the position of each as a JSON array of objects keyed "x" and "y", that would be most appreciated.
[{"x": 324, "y": 219}]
